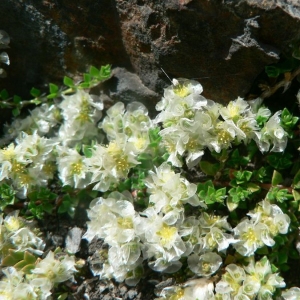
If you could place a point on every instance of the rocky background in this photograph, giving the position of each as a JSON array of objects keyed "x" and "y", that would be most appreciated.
[{"x": 223, "y": 44}]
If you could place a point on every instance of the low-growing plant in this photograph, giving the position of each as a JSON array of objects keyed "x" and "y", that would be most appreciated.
[{"x": 206, "y": 190}]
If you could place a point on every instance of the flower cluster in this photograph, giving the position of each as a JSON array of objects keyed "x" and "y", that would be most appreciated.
[
  {"x": 28, "y": 163},
  {"x": 192, "y": 123},
  {"x": 80, "y": 112},
  {"x": 266, "y": 221},
  {"x": 160, "y": 219},
  {"x": 248, "y": 282},
  {"x": 253, "y": 281},
  {"x": 115, "y": 220},
  {"x": 161, "y": 233},
  {"x": 48, "y": 272},
  {"x": 18, "y": 235}
]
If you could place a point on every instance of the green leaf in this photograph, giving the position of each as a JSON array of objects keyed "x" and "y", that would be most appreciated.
[
  {"x": 278, "y": 194},
  {"x": 235, "y": 160},
  {"x": 7, "y": 195},
  {"x": 252, "y": 187},
  {"x": 12, "y": 258},
  {"x": 238, "y": 194},
  {"x": 280, "y": 161},
  {"x": 105, "y": 71},
  {"x": 4, "y": 94},
  {"x": 272, "y": 71},
  {"x": 231, "y": 205},
  {"x": 209, "y": 168},
  {"x": 84, "y": 85},
  {"x": 87, "y": 151},
  {"x": 62, "y": 296},
  {"x": 53, "y": 88},
  {"x": 146, "y": 161},
  {"x": 240, "y": 177},
  {"x": 276, "y": 178},
  {"x": 94, "y": 72},
  {"x": 284, "y": 268},
  {"x": 296, "y": 195},
  {"x": 260, "y": 175},
  {"x": 274, "y": 268},
  {"x": 282, "y": 257},
  {"x": 16, "y": 112},
  {"x": 68, "y": 81},
  {"x": 17, "y": 99},
  {"x": 202, "y": 188},
  {"x": 87, "y": 78},
  {"x": 262, "y": 251},
  {"x": 52, "y": 96},
  {"x": 35, "y": 92},
  {"x": 288, "y": 121},
  {"x": 296, "y": 180}
]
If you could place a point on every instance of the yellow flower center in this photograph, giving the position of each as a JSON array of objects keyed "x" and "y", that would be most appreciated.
[
  {"x": 8, "y": 153},
  {"x": 125, "y": 223},
  {"x": 166, "y": 234},
  {"x": 224, "y": 137},
  {"x": 181, "y": 90},
  {"x": 85, "y": 110},
  {"x": 76, "y": 168},
  {"x": 122, "y": 164},
  {"x": 140, "y": 143},
  {"x": 250, "y": 236},
  {"x": 13, "y": 224}
]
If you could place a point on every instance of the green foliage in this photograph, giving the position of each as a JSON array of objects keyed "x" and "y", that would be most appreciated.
[
  {"x": 23, "y": 261},
  {"x": 209, "y": 168},
  {"x": 276, "y": 194},
  {"x": 280, "y": 161},
  {"x": 209, "y": 194},
  {"x": 91, "y": 79},
  {"x": 284, "y": 66},
  {"x": 41, "y": 201},
  {"x": 7, "y": 195}
]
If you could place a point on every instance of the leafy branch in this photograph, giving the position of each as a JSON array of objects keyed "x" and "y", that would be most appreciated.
[{"x": 90, "y": 80}]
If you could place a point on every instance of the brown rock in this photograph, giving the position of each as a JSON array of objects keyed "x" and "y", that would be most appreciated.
[{"x": 224, "y": 45}]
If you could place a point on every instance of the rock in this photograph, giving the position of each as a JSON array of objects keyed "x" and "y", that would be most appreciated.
[
  {"x": 223, "y": 44},
  {"x": 127, "y": 87},
  {"x": 73, "y": 240}
]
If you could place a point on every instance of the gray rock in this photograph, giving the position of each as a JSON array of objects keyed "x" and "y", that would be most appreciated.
[
  {"x": 73, "y": 240},
  {"x": 127, "y": 87}
]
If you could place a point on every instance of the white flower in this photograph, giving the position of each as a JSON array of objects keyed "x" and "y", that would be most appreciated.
[
  {"x": 235, "y": 110},
  {"x": 216, "y": 238},
  {"x": 82, "y": 107},
  {"x": 50, "y": 271},
  {"x": 291, "y": 294},
  {"x": 24, "y": 239},
  {"x": 113, "y": 219},
  {"x": 272, "y": 216},
  {"x": 8, "y": 284},
  {"x": 225, "y": 134},
  {"x": 201, "y": 289},
  {"x": 172, "y": 292},
  {"x": 110, "y": 164},
  {"x": 231, "y": 281},
  {"x": 205, "y": 264},
  {"x": 72, "y": 169},
  {"x": 169, "y": 190},
  {"x": 179, "y": 101},
  {"x": 251, "y": 236},
  {"x": 272, "y": 133}
]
